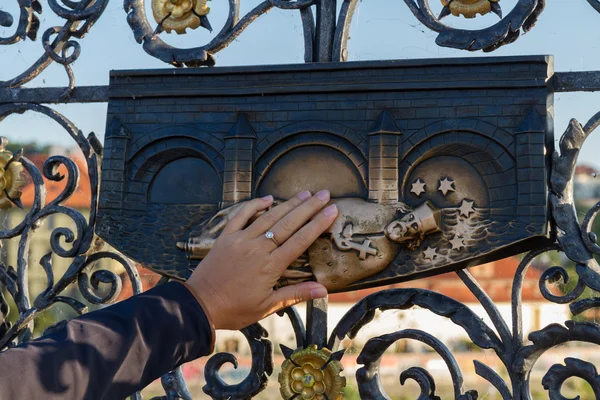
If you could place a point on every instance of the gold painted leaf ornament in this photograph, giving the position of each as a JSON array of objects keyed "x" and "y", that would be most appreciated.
[
  {"x": 178, "y": 15},
  {"x": 470, "y": 8},
  {"x": 12, "y": 177}
]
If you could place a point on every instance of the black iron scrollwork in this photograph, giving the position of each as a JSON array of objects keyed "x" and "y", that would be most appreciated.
[
  {"x": 327, "y": 42},
  {"x": 522, "y": 17},
  {"x": 81, "y": 246},
  {"x": 148, "y": 36},
  {"x": 373, "y": 351},
  {"x": 324, "y": 41},
  {"x": 255, "y": 382},
  {"x": 28, "y": 22},
  {"x": 57, "y": 41}
]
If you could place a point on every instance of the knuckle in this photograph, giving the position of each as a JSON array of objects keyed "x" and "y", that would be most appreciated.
[
  {"x": 270, "y": 217},
  {"x": 287, "y": 223},
  {"x": 298, "y": 297},
  {"x": 301, "y": 240},
  {"x": 247, "y": 208},
  {"x": 236, "y": 239},
  {"x": 270, "y": 268}
]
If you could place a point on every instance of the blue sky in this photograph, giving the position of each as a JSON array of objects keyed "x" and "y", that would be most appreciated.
[{"x": 381, "y": 29}]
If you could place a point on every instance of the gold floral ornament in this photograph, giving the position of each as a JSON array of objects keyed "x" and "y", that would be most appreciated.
[
  {"x": 311, "y": 374},
  {"x": 470, "y": 8},
  {"x": 178, "y": 15},
  {"x": 12, "y": 177}
]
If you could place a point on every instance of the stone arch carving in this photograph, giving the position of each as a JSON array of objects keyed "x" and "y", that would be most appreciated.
[
  {"x": 175, "y": 131},
  {"x": 153, "y": 151},
  {"x": 299, "y": 134},
  {"x": 487, "y": 148}
]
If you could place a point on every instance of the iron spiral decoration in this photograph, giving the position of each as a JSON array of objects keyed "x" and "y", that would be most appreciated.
[{"x": 326, "y": 31}]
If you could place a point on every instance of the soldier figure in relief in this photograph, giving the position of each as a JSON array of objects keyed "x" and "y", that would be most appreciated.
[{"x": 364, "y": 239}]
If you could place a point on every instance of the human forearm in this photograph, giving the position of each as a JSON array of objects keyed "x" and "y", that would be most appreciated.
[{"x": 110, "y": 353}]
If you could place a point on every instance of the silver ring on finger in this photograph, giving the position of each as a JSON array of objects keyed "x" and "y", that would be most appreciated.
[{"x": 271, "y": 236}]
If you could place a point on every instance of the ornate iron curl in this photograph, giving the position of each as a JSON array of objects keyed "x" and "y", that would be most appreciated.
[
  {"x": 174, "y": 385},
  {"x": 149, "y": 38},
  {"x": 558, "y": 374},
  {"x": 483, "y": 336},
  {"x": 589, "y": 238},
  {"x": 368, "y": 375},
  {"x": 522, "y": 17},
  {"x": 547, "y": 338},
  {"x": 60, "y": 49},
  {"x": 578, "y": 243},
  {"x": 84, "y": 251},
  {"x": 297, "y": 325},
  {"x": 28, "y": 22},
  {"x": 573, "y": 239},
  {"x": 401, "y": 299},
  {"x": 262, "y": 367}
]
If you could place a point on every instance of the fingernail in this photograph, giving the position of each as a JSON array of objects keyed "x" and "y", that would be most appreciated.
[
  {"x": 323, "y": 195},
  {"x": 330, "y": 210},
  {"x": 304, "y": 195},
  {"x": 318, "y": 293},
  {"x": 268, "y": 198}
]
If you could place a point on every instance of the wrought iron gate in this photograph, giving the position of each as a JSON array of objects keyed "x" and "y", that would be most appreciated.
[{"x": 326, "y": 26}]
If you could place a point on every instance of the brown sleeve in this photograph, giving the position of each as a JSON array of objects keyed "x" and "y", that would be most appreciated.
[{"x": 113, "y": 352}]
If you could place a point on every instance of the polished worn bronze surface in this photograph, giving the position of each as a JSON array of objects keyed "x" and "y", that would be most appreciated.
[{"x": 362, "y": 241}]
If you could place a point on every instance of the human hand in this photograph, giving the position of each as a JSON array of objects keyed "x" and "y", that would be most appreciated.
[{"x": 235, "y": 280}]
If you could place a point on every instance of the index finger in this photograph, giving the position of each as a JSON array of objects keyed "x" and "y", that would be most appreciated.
[
  {"x": 249, "y": 210},
  {"x": 298, "y": 243}
]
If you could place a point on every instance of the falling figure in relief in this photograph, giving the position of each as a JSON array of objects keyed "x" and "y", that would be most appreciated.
[{"x": 363, "y": 240}]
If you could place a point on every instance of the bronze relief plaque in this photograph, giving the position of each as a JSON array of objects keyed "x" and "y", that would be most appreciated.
[{"x": 435, "y": 165}]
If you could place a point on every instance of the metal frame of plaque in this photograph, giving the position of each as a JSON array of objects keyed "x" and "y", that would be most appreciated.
[{"x": 434, "y": 164}]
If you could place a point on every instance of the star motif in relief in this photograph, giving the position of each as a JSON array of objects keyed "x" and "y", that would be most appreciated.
[
  {"x": 457, "y": 243},
  {"x": 466, "y": 208},
  {"x": 418, "y": 187},
  {"x": 446, "y": 186},
  {"x": 430, "y": 253}
]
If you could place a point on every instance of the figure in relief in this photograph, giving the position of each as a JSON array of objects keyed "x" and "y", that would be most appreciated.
[{"x": 363, "y": 240}]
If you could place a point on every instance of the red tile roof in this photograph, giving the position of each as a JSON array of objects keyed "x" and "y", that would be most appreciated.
[
  {"x": 585, "y": 170},
  {"x": 495, "y": 278}
]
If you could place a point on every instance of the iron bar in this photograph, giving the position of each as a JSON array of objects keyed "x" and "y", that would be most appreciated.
[
  {"x": 54, "y": 95},
  {"x": 316, "y": 322},
  {"x": 326, "y": 15},
  {"x": 579, "y": 81}
]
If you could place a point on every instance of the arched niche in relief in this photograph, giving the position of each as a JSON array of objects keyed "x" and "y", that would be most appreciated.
[
  {"x": 481, "y": 171},
  {"x": 466, "y": 182},
  {"x": 188, "y": 180},
  {"x": 312, "y": 168}
]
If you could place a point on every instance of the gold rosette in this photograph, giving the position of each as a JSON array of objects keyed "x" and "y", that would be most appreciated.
[
  {"x": 178, "y": 15},
  {"x": 12, "y": 178},
  {"x": 311, "y": 374},
  {"x": 469, "y": 8}
]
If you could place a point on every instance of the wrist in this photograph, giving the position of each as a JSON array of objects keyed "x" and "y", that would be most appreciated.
[{"x": 206, "y": 311}]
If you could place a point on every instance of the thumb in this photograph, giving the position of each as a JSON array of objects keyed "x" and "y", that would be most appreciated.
[{"x": 289, "y": 295}]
